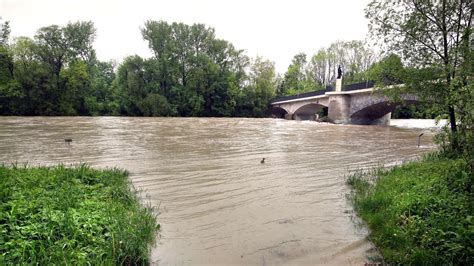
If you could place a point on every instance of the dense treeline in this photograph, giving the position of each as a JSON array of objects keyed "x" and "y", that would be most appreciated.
[
  {"x": 55, "y": 73},
  {"x": 192, "y": 73}
]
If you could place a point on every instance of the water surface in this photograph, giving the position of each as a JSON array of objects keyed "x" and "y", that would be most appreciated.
[{"x": 218, "y": 204}]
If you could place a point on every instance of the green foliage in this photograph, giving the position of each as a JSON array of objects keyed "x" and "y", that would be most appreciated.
[
  {"x": 420, "y": 213},
  {"x": 388, "y": 71},
  {"x": 154, "y": 105},
  {"x": 4, "y": 33},
  {"x": 435, "y": 40},
  {"x": 296, "y": 80},
  {"x": 55, "y": 73},
  {"x": 197, "y": 73},
  {"x": 9, "y": 87},
  {"x": 253, "y": 99},
  {"x": 102, "y": 99},
  {"x": 192, "y": 74},
  {"x": 76, "y": 79},
  {"x": 72, "y": 216},
  {"x": 417, "y": 111}
]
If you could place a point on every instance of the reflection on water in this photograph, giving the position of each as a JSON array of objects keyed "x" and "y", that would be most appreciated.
[{"x": 218, "y": 203}]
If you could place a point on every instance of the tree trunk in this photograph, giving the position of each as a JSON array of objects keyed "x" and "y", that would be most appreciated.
[{"x": 454, "y": 128}]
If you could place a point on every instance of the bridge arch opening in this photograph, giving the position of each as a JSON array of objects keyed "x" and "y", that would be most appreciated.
[
  {"x": 376, "y": 114},
  {"x": 277, "y": 112},
  {"x": 311, "y": 111}
]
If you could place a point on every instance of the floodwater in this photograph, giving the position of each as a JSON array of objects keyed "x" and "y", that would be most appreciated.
[{"x": 218, "y": 203}]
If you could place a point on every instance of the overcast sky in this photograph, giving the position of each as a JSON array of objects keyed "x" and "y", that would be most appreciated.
[{"x": 276, "y": 30}]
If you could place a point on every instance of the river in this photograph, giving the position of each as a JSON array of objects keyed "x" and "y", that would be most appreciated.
[{"x": 218, "y": 204}]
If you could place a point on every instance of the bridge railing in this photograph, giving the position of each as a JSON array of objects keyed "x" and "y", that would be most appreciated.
[
  {"x": 303, "y": 95},
  {"x": 351, "y": 87},
  {"x": 359, "y": 86}
]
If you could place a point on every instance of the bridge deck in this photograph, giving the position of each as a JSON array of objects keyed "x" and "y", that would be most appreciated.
[{"x": 350, "y": 87}]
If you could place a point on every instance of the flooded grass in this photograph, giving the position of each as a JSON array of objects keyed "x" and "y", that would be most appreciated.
[
  {"x": 79, "y": 215},
  {"x": 419, "y": 213}
]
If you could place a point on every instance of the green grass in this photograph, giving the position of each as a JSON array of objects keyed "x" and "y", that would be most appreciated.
[
  {"x": 420, "y": 213},
  {"x": 79, "y": 215}
]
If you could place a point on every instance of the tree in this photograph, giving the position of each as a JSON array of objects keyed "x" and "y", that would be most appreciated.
[
  {"x": 262, "y": 79},
  {"x": 4, "y": 33},
  {"x": 102, "y": 100},
  {"x": 79, "y": 37},
  {"x": 10, "y": 90},
  {"x": 388, "y": 71},
  {"x": 253, "y": 99},
  {"x": 319, "y": 67},
  {"x": 77, "y": 86},
  {"x": 295, "y": 79},
  {"x": 6, "y": 58},
  {"x": 154, "y": 105},
  {"x": 130, "y": 79},
  {"x": 429, "y": 37},
  {"x": 57, "y": 49},
  {"x": 354, "y": 56},
  {"x": 190, "y": 62}
]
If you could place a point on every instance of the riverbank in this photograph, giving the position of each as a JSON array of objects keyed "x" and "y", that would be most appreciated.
[
  {"x": 73, "y": 215},
  {"x": 419, "y": 213}
]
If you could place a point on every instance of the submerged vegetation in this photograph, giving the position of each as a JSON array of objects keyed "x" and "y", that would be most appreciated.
[
  {"x": 419, "y": 213},
  {"x": 59, "y": 215}
]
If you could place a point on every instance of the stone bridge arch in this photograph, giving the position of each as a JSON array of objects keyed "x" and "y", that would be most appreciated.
[
  {"x": 278, "y": 112},
  {"x": 308, "y": 111},
  {"x": 375, "y": 109},
  {"x": 301, "y": 110}
]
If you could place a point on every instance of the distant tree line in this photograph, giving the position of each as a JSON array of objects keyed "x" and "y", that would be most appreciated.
[{"x": 192, "y": 73}]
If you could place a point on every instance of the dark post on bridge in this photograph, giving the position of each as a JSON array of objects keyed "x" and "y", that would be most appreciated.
[{"x": 339, "y": 79}]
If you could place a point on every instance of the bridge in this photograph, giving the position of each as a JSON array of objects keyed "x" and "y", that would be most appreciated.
[{"x": 357, "y": 104}]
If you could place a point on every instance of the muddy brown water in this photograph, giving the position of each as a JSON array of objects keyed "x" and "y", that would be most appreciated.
[{"x": 218, "y": 204}]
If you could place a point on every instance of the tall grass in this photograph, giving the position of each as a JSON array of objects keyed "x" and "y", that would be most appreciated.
[
  {"x": 59, "y": 215},
  {"x": 419, "y": 213}
]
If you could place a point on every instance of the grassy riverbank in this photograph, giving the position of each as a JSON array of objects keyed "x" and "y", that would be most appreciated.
[
  {"x": 419, "y": 213},
  {"x": 78, "y": 215}
]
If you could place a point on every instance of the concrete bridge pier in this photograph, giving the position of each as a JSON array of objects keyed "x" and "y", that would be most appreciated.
[
  {"x": 384, "y": 120},
  {"x": 339, "y": 108},
  {"x": 350, "y": 109},
  {"x": 289, "y": 116}
]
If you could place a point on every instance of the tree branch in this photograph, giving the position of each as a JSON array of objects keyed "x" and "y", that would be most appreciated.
[
  {"x": 414, "y": 37},
  {"x": 423, "y": 13}
]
